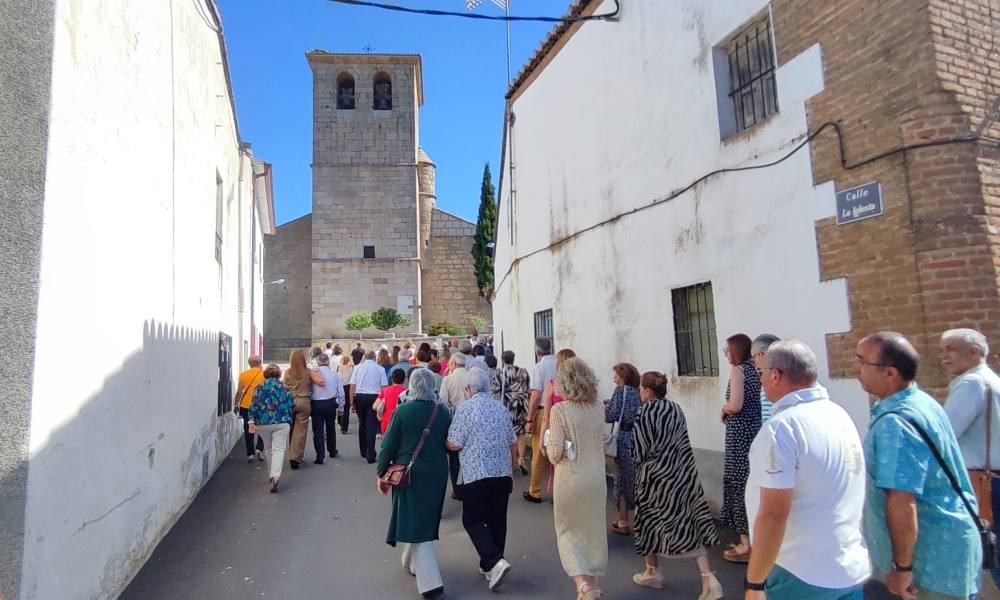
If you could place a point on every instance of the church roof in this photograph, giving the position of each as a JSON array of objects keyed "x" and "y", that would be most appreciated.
[{"x": 422, "y": 156}]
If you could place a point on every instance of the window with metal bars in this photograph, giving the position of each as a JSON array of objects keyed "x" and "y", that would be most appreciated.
[
  {"x": 543, "y": 324},
  {"x": 752, "y": 89},
  {"x": 694, "y": 331}
]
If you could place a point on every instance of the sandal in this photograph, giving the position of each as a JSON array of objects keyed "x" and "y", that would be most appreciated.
[
  {"x": 616, "y": 526},
  {"x": 588, "y": 592},
  {"x": 732, "y": 554}
]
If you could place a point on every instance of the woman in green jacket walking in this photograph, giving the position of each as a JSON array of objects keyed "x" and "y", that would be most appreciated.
[{"x": 416, "y": 508}]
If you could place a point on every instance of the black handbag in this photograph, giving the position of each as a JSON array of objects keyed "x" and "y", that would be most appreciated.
[{"x": 987, "y": 538}]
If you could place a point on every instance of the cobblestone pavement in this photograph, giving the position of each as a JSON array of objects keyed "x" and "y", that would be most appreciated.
[{"x": 323, "y": 537}]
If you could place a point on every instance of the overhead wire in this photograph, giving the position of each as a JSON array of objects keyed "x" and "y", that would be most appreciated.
[{"x": 481, "y": 17}]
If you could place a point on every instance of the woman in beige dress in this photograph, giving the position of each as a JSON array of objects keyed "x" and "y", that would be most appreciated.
[
  {"x": 298, "y": 380},
  {"x": 575, "y": 445}
]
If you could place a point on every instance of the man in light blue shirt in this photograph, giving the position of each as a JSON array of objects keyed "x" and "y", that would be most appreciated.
[
  {"x": 920, "y": 537},
  {"x": 758, "y": 351},
  {"x": 963, "y": 355}
]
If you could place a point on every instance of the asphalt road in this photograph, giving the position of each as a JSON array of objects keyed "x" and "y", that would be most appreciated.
[{"x": 323, "y": 537}]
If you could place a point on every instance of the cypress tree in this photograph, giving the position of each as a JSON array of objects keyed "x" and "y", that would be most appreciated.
[{"x": 485, "y": 228}]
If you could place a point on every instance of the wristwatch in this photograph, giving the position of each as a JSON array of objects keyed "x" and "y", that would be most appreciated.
[
  {"x": 756, "y": 587},
  {"x": 896, "y": 567}
]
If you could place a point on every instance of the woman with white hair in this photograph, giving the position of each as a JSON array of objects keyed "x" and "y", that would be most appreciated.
[
  {"x": 575, "y": 445},
  {"x": 416, "y": 508}
]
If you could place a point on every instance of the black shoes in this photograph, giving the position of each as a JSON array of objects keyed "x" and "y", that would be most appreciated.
[
  {"x": 294, "y": 463},
  {"x": 335, "y": 454},
  {"x": 531, "y": 498},
  {"x": 318, "y": 461},
  {"x": 433, "y": 593}
]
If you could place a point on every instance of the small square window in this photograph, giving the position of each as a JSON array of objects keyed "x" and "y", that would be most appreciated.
[
  {"x": 369, "y": 251},
  {"x": 694, "y": 331}
]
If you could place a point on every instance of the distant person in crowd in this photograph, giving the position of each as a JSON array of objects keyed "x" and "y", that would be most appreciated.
[
  {"x": 402, "y": 364},
  {"x": 329, "y": 349},
  {"x": 327, "y": 404},
  {"x": 922, "y": 541},
  {"x": 455, "y": 391},
  {"x": 416, "y": 508},
  {"x": 445, "y": 361},
  {"x": 510, "y": 386},
  {"x": 971, "y": 404},
  {"x": 344, "y": 371},
  {"x": 335, "y": 357},
  {"x": 367, "y": 381},
  {"x": 422, "y": 359},
  {"x": 385, "y": 361},
  {"x": 299, "y": 380},
  {"x": 270, "y": 416},
  {"x": 550, "y": 397},
  {"x": 741, "y": 415},
  {"x": 395, "y": 354},
  {"x": 435, "y": 368},
  {"x": 313, "y": 357},
  {"x": 621, "y": 410},
  {"x": 388, "y": 399},
  {"x": 672, "y": 517},
  {"x": 246, "y": 385},
  {"x": 758, "y": 350},
  {"x": 482, "y": 435},
  {"x": 575, "y": 445},
  {"x": 543, "y": 372},
  {"x": 478, "y": 358},
  {"x": 491, "y": 368},
  {"x": 358, "y": 354},
  {"x": 806, "y": 492}
]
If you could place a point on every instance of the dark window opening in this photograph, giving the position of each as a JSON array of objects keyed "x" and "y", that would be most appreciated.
[
  {"x": 543, "y": 325},
  {"x": 694, "y": 331},
  {"x": 383, "y": 92},
  {"x": 751, "y": 75},
  {"x": 345, "y": 92},
  {"x": 369, "y": 251},
  {"x": 225, "y": 400}
]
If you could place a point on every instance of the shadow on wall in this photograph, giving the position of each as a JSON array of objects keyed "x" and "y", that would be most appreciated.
[{"x": 111, "y": 480}]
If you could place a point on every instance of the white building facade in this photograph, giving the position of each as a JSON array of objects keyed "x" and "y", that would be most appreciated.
[
  {"x": 601, "y": 242},
  {"x": 146, "y": 299}
]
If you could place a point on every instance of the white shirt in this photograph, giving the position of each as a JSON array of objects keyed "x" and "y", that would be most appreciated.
[
  {"x": 454, "y": 388},
  {"x": 966, "y": 409},
  {"x": 328, "y": 352},
  {"x": 369, "y": 377},
  {"x": 545, "y": 369},
  {"x": 811, "y": 446}
]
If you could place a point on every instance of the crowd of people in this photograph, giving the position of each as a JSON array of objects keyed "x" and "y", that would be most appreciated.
[{"x": 817, "y": 511}]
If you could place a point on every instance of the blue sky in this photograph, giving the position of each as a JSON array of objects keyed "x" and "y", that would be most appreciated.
[{"x": 465, "y": 76}]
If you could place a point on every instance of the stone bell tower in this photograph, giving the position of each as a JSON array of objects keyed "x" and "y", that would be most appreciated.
[{"x": 367, "y": 235}]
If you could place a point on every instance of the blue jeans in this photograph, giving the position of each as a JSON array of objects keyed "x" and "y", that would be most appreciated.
[
  {"x": 995, "y": 487},
  {"x": 782, "y": 585}
]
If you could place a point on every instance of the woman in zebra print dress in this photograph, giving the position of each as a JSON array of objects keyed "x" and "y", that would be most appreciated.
[{"x": 672, "y": 518}]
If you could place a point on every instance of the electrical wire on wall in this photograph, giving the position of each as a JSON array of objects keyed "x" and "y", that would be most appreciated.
[
  {"x": 465, "y": 15},
  {"x": 989, "y": 118}
]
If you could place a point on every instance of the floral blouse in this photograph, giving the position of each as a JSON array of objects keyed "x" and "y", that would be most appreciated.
[{"x": 272, "y": 404}]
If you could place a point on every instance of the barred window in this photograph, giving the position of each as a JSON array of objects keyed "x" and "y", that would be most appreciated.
[
  {"x": 752, "y": 89},
  {"x": 543, "y": 324},
  {"x": 694, "y": 331}
]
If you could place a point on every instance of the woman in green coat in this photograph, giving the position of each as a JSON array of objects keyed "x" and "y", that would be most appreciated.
[{"x": 416, "y": 508}]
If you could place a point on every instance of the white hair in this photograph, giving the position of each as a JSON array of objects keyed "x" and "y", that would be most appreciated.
[
  {"x": 762, "y": 342},
  {"x": 479, "y": 380},
  {"x": 793, "y": 358},
  {"x": 422, "y": 385},
  {"x": 969, "y": 337},
  {"x": 465, "y": 347},
  {"x": 459, "y": 359}
]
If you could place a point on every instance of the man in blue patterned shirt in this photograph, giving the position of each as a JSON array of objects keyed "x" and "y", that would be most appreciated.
[{"x": 920, "y": 536}]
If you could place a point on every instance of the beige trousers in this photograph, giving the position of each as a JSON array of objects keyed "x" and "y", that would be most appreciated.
[{"x": 300, "y": 428}]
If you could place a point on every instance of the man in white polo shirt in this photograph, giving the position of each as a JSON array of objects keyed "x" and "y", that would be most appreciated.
[
  {"x": 367, "y": 380},
  {"x": 806, "y": 491}
]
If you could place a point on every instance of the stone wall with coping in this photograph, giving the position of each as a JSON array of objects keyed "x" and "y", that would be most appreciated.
[
  {"x": 288, "y": 306},
  {"x": 342, "y": 287},
  {"x": 450, "y": 290}
]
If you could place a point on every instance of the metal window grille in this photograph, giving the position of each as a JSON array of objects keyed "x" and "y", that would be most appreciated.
[
  {"x": 225, "y": 374},
  {"x": 751, "y": 75},
  {"x": 694, "y": 331},
  {"x": 543, "y": 324}
]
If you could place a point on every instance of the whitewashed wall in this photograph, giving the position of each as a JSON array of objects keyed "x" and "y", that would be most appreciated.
[
  {"x": 124, "y": 429},
  {"x": 623, "y": 115}
]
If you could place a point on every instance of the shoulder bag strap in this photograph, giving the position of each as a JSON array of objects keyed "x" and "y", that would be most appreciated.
[
  {"x": 423, "y": 436},
  {"x": 944, "y": 467},
  {"x": 989, "y": 423},
  {"x": 249, "y": 387}
]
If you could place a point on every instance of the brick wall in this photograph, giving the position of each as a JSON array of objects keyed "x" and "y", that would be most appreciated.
[
  {"x": 900, "y": 72},
  {"x": 288, "y": 306},
  {"x": 449, "y": 285}
]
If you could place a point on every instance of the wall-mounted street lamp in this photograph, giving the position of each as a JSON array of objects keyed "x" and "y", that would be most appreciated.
[{"x": 275, "y": 282}]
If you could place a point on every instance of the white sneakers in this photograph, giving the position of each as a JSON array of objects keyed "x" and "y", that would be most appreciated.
[
  {"x": 496, "y": 575},
  {"x": 714, "y": 590}
]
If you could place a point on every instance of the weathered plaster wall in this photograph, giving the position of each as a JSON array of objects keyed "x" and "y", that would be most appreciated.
[
  {"x": 449, "y": 285},
  {"x": 140, "y": 130},
  {"x": 288, "y": 306},
  {"x": 642, "y": 129},
  {"x": 25, "y": 77}
]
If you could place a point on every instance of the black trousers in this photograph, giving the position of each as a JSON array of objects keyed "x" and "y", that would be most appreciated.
[
  {"x": 453, "y": 467},
  {"x": 247, "y": 436},
  {"x": 484, "y": 516},
  {"x": 345, "y": 419},
  {"x": 324, "y": 417},
  {"x": 367, "y": 424}
]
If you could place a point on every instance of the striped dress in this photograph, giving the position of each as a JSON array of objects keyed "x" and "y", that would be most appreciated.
[{"x": 672, "y": 516}]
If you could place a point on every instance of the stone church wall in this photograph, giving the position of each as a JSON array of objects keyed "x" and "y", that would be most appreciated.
[
  {"x": 345, "y": 286},
  {"x": 449, "y": 286},
  {"x": 288, "y": 306}
]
